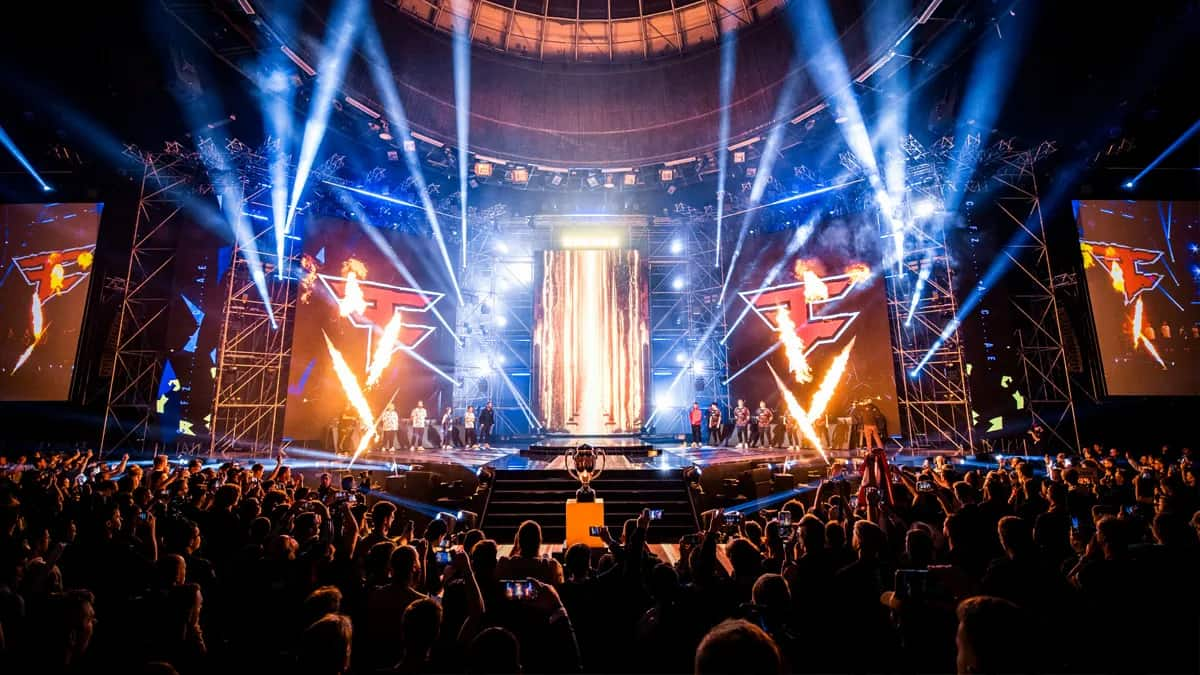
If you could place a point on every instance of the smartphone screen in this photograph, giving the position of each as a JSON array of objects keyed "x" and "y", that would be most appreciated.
[
  {"x": 519, "y": 590},
  {"x": 785, "y": 518},
  {"x": 1074, "y": 523},
  {"x": 442, "y": 557},
  {"x": 655, "y": 514},
  {"x": 733, "y": 518},
  {"x": 924, "y": 486},
  {"x": 594, "y": 531}
]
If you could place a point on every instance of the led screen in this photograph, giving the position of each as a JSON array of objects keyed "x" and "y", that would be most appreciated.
[
  {"x": 367, "y": 322},
  {"x": 48, "y": 251},
  {"x": 1143, "y": 276}
]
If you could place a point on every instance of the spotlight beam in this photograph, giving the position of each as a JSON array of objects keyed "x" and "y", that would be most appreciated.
[
  {"x": 728, "y": 71},
  {"x": 770, "y": 350},
  {"x": 462, "y": 109},
  {"x": 381, "y": 75},
  {"x": 11, "y": 146},
  {"x": 922, "y": 277},
  {"x": 795, "y": 244},
  {"x": 1157, "y": 160},
  {"x": 335, "y": 57}
]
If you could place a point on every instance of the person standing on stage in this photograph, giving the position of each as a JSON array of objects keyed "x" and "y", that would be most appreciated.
[
  {"x": 696, "y": 419},
  {"x": 487, "y": 419},
  {"x": 714, "y": 425},
  {"x": 869, "y": 416},
  {"x": 741, "y": 423},
  {"x": 469, "y": 427},
  {"x": 791, "y": 430},
  {"x": 418, "y": 417},
  {"x": 764, "y": 417},
  {"x": 389, "y": 421},
  {"x": 447, "y": 428}
]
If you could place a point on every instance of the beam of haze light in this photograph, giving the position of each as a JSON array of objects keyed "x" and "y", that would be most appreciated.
[
  {"x": 799, "y": 238},
  {"x": 521, "y": 402},
  {"x": 770, "y": 350},
  {"x": 376, "y": 236},
  {"x": 891, "y": 127},
  {"x": 817, "y": 39},
  {"x": 344, "y": 24},
  {"x": 461, "y": 13},
  {"x": 8, "y": 143},
  {"x": 425, "y": 362},
  {"x": 231, "y": 197},
  {"x": 374, "y": 195},
  {"x": 737, "y": 249},
  {"x": 756, "y": 505},
  {"x": 382, "y": 76},
  {"x": 922, "y": 277},
  {"x": 1165, "y": 153},
  {"x": 991, "y": 75},
  {"x": 1064, "y": 181},
  {"x": 277, "y": 114},
  {"x": 725, "y": 91}
]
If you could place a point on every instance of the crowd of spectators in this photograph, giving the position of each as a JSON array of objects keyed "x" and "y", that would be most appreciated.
[{"x": 1085, "y": 563}]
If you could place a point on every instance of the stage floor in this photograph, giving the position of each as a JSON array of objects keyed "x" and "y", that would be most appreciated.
[{"x": 662, "y": 458}]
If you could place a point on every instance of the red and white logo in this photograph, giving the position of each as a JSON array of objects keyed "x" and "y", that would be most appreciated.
[
  {"x": 383, "y": 301},
  {"x": 1125, "y": 265},
  {"x": 55, "y": 272},
  {"x": 813, "y": 326}
]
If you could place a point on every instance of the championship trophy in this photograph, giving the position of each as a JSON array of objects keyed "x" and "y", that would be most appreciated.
[
  {"x": 583, "y": 466},
  {"x": 585, "y": 513}
]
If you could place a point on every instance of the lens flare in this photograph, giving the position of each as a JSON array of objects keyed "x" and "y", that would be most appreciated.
[
  {"x": 383, "y": 353},
  {"x": 354, "y": 394},
  {"x": 793, "y": 347}
]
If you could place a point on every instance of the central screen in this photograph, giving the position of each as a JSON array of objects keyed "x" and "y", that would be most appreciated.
[{"x": 591, "y": 341}]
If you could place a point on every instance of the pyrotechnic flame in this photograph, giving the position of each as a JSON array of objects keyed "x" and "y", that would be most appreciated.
[
  {"x": 1088, "y": 260},
  {"x": 858, "y": 272},
  {"x": 309, "y": 264},
  {"x": 1140, "y": 337},
  {"x": 1118, "y": 277},
  {"x": 383, "y": 352},
  {"x": 830, "y": 381},
  {"x": 802, "y": 417},
  {"x": 354, "y": 394},
  {"x": 56, "y": 278},
  {"x": 39, "y": 330},
  {"x": 353, "y": 301},
  {"x": 84, "y": 260},
  {"x": 814, "y": 288},
  {"x": 793, "y": 347}
]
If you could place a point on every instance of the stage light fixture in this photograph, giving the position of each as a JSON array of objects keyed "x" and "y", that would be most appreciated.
[
  {"x": 676, "y": 246},
  {"x": 698, "y": 367},
  {"x": 680, "y": 358},
  {"x": 520, "y": 174},
  {"x": 751, "y": 171},
  {"x": 677, "y": 283},
  {"x": 556, "y": 180},
  {"x": 501, "y": 247},
  {"x": 739, "y": 157},
  {"x": 671, "y": 190},
  {"x": 1128, "y": 185},
  {"x": 483, "y": 169},
  {"x": 385, "y": 134},
  {"x": 924, "y": 208},
  {"x": 609, "y": 181},
  {"x": 666, "y": 175},
  {"x": 501, "y": 321},
  {"x": 410, "y": 145},
  {"x": 592, "y": 181},
  {"x": 629, "y": 180}
]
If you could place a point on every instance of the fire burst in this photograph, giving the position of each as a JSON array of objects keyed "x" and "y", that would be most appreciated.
[
  {"x": 1118, "y": 277},
  {"x": 1139, "y": 336},
  {"x": 832, "y": 378},
  {"x": 793, "y": 346},
  {"x": 353, "y": 302},
  {"x": 309, "y": 264},
  {"x": 859, "y": 272},
  {"x": 803, "y": 420},
  {"x": 383, "y": 353},
  {"x": 354, "y": 394},
  {"x": 39, "y": 330}
]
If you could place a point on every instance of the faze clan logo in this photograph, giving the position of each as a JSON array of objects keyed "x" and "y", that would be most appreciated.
[
  {"x": 55, "y": 272},
  {"x": 383, "y": 301},
  {"x": 813, "y": 326},
  {"x": 1125, "y": 265}
]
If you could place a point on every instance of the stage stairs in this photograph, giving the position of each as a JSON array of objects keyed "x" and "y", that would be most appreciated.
[{"x": 541, "y": 495}]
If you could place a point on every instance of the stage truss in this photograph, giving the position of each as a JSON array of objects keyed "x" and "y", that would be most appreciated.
[
  {"x": 138, "y": 341},
  {"x": 255, "y": 347}
]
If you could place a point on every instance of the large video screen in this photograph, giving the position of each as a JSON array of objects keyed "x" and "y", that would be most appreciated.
[
  {"x": 591, "y": 340},
  {"x": 48, "y": 251},
  {"x": 367, "y": 329},
  {"x": 1142, "y": 263},
  {"x": 810, "y": 313}
]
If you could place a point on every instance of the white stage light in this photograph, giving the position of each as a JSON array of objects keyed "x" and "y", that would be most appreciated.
[
  {"x": 501, "y": 321},
  {"x": 676, "y": 246},
  {"x": 677, "y": 283},
  {"x": 501, "y": 247},
  {"x": 681, "y": 358},
  {"x": 924, "y": 208}
]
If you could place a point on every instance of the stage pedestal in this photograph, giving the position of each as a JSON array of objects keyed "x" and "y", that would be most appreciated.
[{"x": 581, "y": 516}]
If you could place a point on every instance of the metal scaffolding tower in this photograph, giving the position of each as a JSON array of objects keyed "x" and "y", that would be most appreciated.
[
  {"x": 138, "y": 340},
  {"x": 255, "y": 348}
]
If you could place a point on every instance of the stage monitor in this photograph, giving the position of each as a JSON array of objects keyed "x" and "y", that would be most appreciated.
[
  {"x": 591, "y": 340},
  {"x": 1142, "y": 264},
  {"x": 373, "y": 317},
  {"x": 48, "y": 251}
]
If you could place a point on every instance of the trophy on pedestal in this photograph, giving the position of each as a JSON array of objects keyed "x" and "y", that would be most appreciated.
[{"x": 585, "y": 464}]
